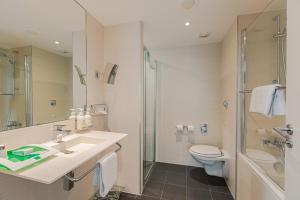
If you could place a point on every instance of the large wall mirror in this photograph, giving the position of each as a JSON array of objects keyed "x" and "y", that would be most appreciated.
[{"x": 42, "y": 61}]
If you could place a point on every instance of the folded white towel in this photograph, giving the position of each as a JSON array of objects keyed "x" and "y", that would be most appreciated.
[
  {"x": 268, "y": 100},
  {"x": 106, "y": 174}
]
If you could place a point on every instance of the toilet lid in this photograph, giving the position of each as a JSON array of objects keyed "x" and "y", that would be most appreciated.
[
  {"x": 260, "y": 156},
  {"x": 206, "y": 150}
]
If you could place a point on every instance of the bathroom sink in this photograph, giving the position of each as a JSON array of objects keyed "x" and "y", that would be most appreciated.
[
  {"x": 77, "y": 145},
  {"x": 73, "y": 151}
]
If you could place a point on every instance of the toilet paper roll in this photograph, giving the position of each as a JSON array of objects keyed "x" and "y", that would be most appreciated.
[
  {"x": 190, "y": 128},
  {"x": 179, "y": 128}
]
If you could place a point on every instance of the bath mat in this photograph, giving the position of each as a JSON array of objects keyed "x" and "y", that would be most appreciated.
[{"x": 112, "y": 195}]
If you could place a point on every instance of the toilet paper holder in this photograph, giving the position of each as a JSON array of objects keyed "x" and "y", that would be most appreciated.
[{"x": 182, "y": 128}]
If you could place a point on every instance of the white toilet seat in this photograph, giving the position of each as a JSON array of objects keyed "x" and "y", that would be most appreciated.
[{"x": 206, "y": 151}]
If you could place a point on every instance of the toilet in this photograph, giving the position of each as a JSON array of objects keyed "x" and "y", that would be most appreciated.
[{"x": 214, "y": 161}]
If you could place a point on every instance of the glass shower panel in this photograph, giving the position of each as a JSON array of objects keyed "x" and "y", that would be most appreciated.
[
  {"x": 149, "y": 113},
  {"x": 265, "y": 64},
  {"x": 13, "y": 93}
]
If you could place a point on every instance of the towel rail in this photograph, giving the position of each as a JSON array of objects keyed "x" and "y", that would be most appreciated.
[
  {"x": 250, "y": 91},
  {"x": 69, "y": 178}
]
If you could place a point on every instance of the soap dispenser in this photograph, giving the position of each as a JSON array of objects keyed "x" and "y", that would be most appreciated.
[
  {"x": 80, "y": 120},
  {"x": 73, "y": 114},
  {"x": 88, "y": 118}
]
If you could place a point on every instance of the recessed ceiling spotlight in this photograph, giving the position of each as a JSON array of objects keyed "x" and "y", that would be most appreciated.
[
  {"x": 187, "y": 23},
  {"x": 56, "y": 42},
  {"x": 204, "y": 35},
  {"x": 188, "y": 4}
]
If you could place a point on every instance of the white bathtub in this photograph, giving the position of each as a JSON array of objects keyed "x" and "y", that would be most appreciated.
[{"x": 254, "y": 183}]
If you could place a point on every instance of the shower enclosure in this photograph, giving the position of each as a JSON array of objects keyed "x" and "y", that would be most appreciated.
[
  {"x": 150, "y": 84},
  {"x": 263, "y": 63},
  {"x": 15, "y": 88}
]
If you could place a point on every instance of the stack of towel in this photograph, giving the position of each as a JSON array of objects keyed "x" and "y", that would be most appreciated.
[{"x": 268, "y": 100}]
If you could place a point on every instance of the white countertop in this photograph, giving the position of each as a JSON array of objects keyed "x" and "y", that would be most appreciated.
[{"x": 57, "y": 166}]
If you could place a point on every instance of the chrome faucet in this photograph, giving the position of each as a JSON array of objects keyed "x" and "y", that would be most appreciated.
[{"x": 58, "y": 132}]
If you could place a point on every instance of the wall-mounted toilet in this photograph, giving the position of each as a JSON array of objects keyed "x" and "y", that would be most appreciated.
[{"x": 214, "y": 161}]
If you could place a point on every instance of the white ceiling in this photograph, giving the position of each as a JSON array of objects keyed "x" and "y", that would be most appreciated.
[
  {"x": 40, "y": 23},
  {"x": 164, "y": 19}
]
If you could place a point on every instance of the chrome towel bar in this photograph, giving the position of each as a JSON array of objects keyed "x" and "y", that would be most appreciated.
[
  {"x": 69, "y": 178},
  {"x": 250, "y": 91}
]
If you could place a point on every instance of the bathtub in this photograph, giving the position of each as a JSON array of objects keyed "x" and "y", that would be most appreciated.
[{"x": 254, "y": 183}]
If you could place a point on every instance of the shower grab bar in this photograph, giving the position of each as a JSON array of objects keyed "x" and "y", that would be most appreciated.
[
  {"x": 69, "y": 178},
  {"x": 250, "y": 91}
]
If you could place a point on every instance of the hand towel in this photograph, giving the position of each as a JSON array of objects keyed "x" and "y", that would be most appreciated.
[
  {"x": 106, "y": 174},
  {"x": 268, "y": 100}
]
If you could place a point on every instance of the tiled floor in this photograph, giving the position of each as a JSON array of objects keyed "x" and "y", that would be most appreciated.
[{"x": 177, "y": 182}]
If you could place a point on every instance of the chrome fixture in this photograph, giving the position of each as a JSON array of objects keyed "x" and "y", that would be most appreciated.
[
  {"x": 58, "y": 132},
  {"x": 80, "y": 75},
  {"x": 250, "y": 91},
  {"x": 203, "y": 128},
  {"x": 69, "y": 178},
  {"x": 275, "y": 142},
  {"x": 286, "y": 133},
  {"x": 280, "y": 37},
  {"x": 226, "y": 104}
]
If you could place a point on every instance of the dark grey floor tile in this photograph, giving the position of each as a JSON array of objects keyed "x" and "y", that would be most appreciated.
[
  {"x": 176, "y": 178},
  {"x": 202, "y": 183},
  {"x": 196, "y": 172},
  {"x": 194, "y": 194},
  {"x": 177, "y": 169},
  {"x": 161, "y": 166},
  {"x": 158, "y": 176},
  {"x": 173, "y": 192},
  {"x": 126, "y": 196},
  {"x": 153, "y": 189},
  {"x": 143, "y": 197},
  {"x": 221, "y": 196},
  {"x": 218, "y": 184}
]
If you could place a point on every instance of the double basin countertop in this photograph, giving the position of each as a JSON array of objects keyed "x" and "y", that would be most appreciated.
[{"x": 74, "y": 150}]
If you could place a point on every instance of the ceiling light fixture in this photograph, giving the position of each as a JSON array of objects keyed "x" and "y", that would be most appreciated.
[
  {"x": 204, "y": 35},
  {"x": 188, "y": 4},
  {"x": 187, "y": 23},
  {"x": 57, "y": 42}
]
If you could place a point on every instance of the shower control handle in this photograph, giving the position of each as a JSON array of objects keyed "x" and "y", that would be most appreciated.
[
  {"x": 286, "y": 133},
  {"x": 289, "y": 129},
  {"x": 289, "y": 143}
]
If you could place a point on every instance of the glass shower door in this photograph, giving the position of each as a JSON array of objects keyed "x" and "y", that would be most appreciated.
[
  {"x": 149, "y": 113},
  {"x": 264, "y": 64}
]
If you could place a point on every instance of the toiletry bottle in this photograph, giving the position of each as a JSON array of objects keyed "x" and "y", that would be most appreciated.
[
  {"x": 80, "y": 120},
  {"x": 2, "y": 151},
  {"x": 88, "y": 118},
  {"x": 73, "y": 114}
]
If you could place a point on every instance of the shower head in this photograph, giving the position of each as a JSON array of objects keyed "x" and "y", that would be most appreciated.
[
  {"x": 10, "y": 58},
  {"x": 3, "y": 55}
]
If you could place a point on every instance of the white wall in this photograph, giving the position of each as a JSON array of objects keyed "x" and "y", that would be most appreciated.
[
  {"x": 188, "y": 93},
  {"x": 95, "y": 60},
  {"x": 51, "y": 80},
  {"x": 229, "y": 72},
  {"x": 123, "y": 46}
]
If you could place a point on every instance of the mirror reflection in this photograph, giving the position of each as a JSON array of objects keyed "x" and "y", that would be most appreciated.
[{"x": 38, "y": 48}]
